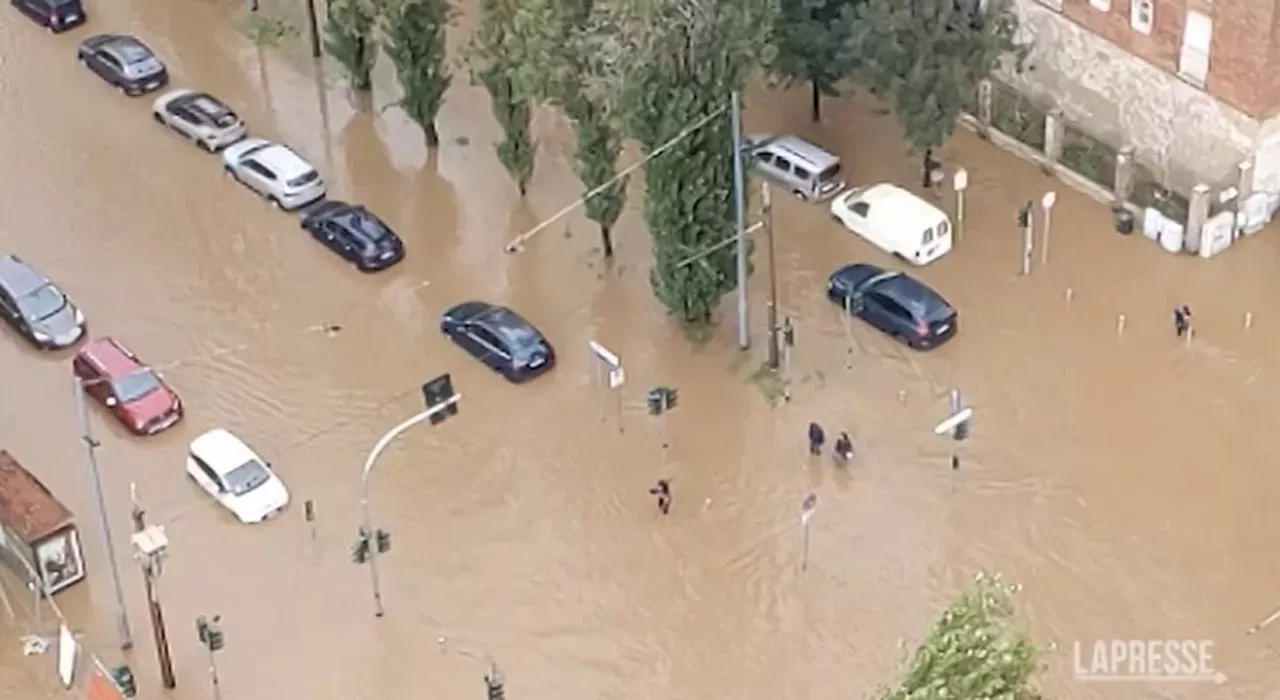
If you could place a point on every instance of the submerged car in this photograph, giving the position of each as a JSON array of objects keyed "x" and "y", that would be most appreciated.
[
  {"x": 355, "y": 233},
  {"x": 36, "y": 308},
  {"x": 500, "y": 338},
  {"x": 275, "y": 172},
  {"x": 124, "y": 62},
  {"x": 134, "y": 392},
  {"x": 55, "y": 15},
  {"x": 895, "y": 303},
  {"x": 199, "y": 116},
  {"x": 240, "y": 480}
]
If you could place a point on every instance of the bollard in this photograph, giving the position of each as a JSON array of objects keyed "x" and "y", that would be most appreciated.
[
  {"x": 1120, "y": 325},
  {"x": 1071, "y": 293},
  {"x": 1248, "y": 320}
]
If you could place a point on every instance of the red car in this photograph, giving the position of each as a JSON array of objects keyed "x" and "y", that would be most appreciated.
[{"x": 138, "y": 397}]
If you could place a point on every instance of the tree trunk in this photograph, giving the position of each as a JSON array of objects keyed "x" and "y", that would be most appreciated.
[
  {"x": 432, "y": 136},
  {"x": 815, "y": 107},
  {"x": 606, "y": 241}
]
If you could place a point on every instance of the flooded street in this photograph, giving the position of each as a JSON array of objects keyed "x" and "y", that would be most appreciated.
[{"x": 1125, "y": 479}]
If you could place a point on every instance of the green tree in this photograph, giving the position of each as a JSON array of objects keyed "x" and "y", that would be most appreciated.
[
  {"x": 975, "y": 650},
  {"x": 414, "y": 36},
  {"x": 552, "y": 49},
  {"x": 678, "y": 62},
  {"x": 490, "y": 57},
  {"x": 349, "y": 40},
  {"x": 926, "y": 57},
  {"x": 814, "y": 44}
]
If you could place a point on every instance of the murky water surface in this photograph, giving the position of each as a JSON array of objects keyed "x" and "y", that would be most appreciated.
[{"x": 1126, "y": 481}]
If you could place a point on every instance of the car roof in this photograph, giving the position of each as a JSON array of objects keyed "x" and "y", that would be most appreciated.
[
  {"x": 912, "y": 293},
  {"x": 221, "y": 450},
  {"x": 129, "y": 49},
  {"x": 204, "y": 102},
  {"x": 510, "y": 325},
  {"x": 283, "y": 161},
  {"x": 19, "y": 277},
  {"x": 904, "y": 208},
  {"x": 811, "y": 153},
  {"x": 109, "y": 354}
]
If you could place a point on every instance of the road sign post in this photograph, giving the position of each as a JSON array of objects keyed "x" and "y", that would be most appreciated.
[
  {"x": 807, "y": 507},
  {"x": 609, "y": 373},
  {"x": 957, "y": 424},
  {"x": 1046, "y": 202},
  {"x": 960, "y": 181}
]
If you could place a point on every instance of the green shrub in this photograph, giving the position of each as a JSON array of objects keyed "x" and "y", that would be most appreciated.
[
  {"x": 1016, "y": 116},
  {"x": 1089, "y": 157}
]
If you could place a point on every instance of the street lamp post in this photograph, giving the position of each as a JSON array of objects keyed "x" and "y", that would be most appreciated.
[
  {"x": 100, "y": 508},
  {"x": 441, "y": 401}
]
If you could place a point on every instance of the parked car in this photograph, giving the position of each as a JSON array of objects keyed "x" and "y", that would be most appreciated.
[
  {"x": 36, "y": 308},
  {"x": 500, "y": 338},
  {"x": 895, "y": 221},
  {"x": 199, "y": 116},
  {"x": 55, "y": 15},
  {"x": 134, "y": 392},
  {"x": 236, "y": 476},
  {"x": 355, "y": 233},
  {"x": 274, "y": 171},
  {"x": 123, "y": 61},
  {"x": 895, "y": 303},
  {"x": 808, "y": 171}
]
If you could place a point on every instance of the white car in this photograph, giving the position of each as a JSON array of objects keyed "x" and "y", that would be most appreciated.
[
  {"x": 199, "y": 116},
  {"x": 895, "y": 221},
  {"x": 274, "y": 171},
  {"x": 236, "y": 476}
]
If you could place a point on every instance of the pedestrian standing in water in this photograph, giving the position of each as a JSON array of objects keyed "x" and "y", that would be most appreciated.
[
  {"x": 662, "y": 490},
  {"x": 927, "y": 168},
  {"x": 1182, "y": 320},
  {"x": 816, "y": 439},
  {"x": 844, "y": 450}
]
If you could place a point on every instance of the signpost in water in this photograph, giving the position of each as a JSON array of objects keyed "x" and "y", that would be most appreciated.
[{"x": 609, "y": 373}]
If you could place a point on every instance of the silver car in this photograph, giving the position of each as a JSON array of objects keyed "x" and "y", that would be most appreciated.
[
  {"x": 199, "y": 116},
  {"x": 274, "y": 171},
  {"x": 36, "y": 308},
  {"x": 123, "y": 61}
]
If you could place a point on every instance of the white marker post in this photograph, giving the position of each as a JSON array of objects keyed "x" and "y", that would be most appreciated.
[
  {"x": 957, "y": 424},
  {"x": 960, "y": 181},
  {"x": 608, "y": 367},
  {"x": 807, "y": 507},
  {"x": 1046, "y": 202}
]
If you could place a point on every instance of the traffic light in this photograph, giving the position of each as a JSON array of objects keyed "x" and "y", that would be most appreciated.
[
  {"x": 670, "y": 394},
  {"x": 384, "y": 541},
  {"x": 439, "y": 391},
  {"x": 1024, "y": 215},
  {"x": 123, "y": 678},
  {"x": 654, "y": 400},
  {"x": 961, "y": 431},
  {"x": 213, "y": 635},
  {"x": 494, "y": 685},
  {"x": 360, "y": 550},
  {"x": 202, "y": 629},
  {"x": 788, "y": 334}
]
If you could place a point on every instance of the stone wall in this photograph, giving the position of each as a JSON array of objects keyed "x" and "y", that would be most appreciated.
[{"x": 1182, "y": 134}]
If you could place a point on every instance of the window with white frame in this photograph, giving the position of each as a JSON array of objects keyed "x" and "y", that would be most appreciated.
[
  {"x": 1104, "y": 5},
  {"x": 1142, "y": 15},
  {"x": 1197, "y": 37}
]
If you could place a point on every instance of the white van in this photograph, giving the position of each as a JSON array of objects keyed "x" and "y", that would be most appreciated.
[{"x": 895, "y": 221}]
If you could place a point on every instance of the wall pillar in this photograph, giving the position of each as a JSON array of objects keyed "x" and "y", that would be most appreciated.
[
  {"x": 1198, "y": 214},
  {"x": 985, "y": 97},
  {"x": 1055, "y": 129},
  {"x": 1124, "y": 175}
]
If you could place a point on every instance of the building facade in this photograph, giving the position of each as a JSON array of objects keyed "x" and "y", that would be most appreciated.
[{"x": 1192, "y": 85}]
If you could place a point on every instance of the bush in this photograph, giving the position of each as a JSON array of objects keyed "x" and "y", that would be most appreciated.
[
  {"x": 1016, "y": 116},
  {"x": 1148, "y": 192},
  {"x": 1089, "y": 157}
]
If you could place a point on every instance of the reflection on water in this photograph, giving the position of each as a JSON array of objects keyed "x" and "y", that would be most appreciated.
[{"x": 1123, "y": 478}]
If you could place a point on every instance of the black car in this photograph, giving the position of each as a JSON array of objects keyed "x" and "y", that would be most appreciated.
[
  {"x": 55, "y": 15},
  {"x": 36, "y": 308},
  {"x": 893, "y": 302},
  {"x": 355, "y": 233},
  {"x": 500, "y": 338},
  {"x": 123, "y": 61}
]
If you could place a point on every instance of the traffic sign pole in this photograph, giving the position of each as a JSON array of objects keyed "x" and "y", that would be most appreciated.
[{"x": 960, "y": 181}]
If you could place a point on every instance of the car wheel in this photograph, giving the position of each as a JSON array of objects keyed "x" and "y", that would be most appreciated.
[
  {"x": 123, "y": 90},
  {"x": 156, "y": 116},
  {"x": 205, "y": 146},
  {"x": 799, "y": 195},
  {"x": 274, "y": 202}
]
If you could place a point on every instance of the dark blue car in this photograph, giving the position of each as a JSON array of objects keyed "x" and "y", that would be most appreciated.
[
  {"x": 500, "y": 338},
  {"x": 898, "y": 305},
  {"x": 354, "y": 233}
]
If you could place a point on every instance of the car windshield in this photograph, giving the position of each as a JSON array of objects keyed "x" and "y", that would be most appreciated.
[
  {"x": 247, "y": 477},
  {"x": 42, "y": 303},
  {"x": 218, "y": 112},
  {"x": 830, "y": 173},
  {"x": 135, "y": 385},
  {"x": 367, "y": 226}
]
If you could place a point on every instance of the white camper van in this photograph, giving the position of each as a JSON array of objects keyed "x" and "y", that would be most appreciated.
[{"x": 895, "y": 221}]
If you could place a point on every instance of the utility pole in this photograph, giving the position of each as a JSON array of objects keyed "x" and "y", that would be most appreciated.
[
  {"x": 1046, "y": 203},
  {"x": 1025, "y": 219},
  {"x": 740, "y": 217},
  {"x": 150, "y": 547},
  {"x": 314, "y": 26},
  {"x": 767, "y": 213},
  {"x": 100, "y": 513}
]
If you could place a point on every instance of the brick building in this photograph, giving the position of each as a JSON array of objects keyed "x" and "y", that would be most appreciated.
[{"x": 1193, "y": 85}]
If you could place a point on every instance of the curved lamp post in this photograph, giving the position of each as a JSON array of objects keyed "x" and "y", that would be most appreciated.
[{"x": 441, "y": 402}]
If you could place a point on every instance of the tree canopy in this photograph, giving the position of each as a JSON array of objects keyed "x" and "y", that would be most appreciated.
[
  {"x": 349, "y": 40},
  {"x": 814, "y": 44},
  {"x": 492, "y": 65},
  {"x": 974, "y": 652},
  {"x": 414, "y": 35}
]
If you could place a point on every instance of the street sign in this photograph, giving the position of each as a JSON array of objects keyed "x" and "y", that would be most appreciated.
[
  {"x": 949, "y": 424},
  {"x": 617, "y": 377},
  {"x": 602, "y": 353},
  {"x": 960, "y": 180},
  {"x": 1049, "y": 199},
  {"x": 439, "y": 392}
]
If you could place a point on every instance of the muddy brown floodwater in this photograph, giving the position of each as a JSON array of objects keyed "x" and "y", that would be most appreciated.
[{"x": 1127, "y": 482}]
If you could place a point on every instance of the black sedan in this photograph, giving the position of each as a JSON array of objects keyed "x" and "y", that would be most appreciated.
[
  {"x": 123, "y": 61},
  {"x": 355, "y": 233},
  {"x": 900, "y": 306},
  {"x": 500, "y": 338}
]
